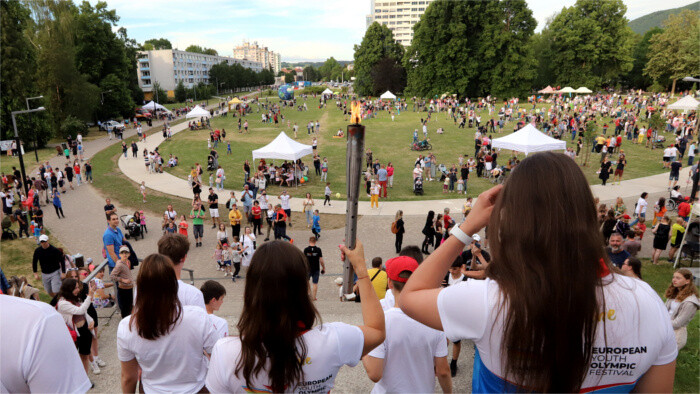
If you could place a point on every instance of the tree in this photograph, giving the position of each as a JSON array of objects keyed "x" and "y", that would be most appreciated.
[
  {"x": 591, "y": 43},
  {"x": 388, "y": 74},
  {"x": 675, "y": 51},
  {"x": 18, "y": 75},
  {"x": 180, "y": 92},
  {"x": 131, "y": 48},
  {"x": 198, "y": 49},
  {"x": 157, "y": 43},
  {"x": 330, "y": 70},
  {"x": 377, "y": 44},
  {"x": 636, "y": 77},
  {"x": 159, "y": 94},
  {"x": 472, "y": 48},
  {"x": 311, "y": 74},
  {"x": 289, "y": 77}
]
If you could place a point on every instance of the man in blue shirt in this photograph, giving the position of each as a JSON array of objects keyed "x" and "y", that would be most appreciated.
[
  {"x": 382, "y": 176},
  {"x": 112, "y": 240}
]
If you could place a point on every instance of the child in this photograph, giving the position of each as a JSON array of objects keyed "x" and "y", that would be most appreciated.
[
  {"x": 460, "y": 185},
  {"x": 36, "y": 230},
  {"x": 144, "y": 229},
  {"x": 467, "y": 207},
  {"x": 171, "y": 229},
  {"x": 228, "y": 147},
  {"x": 102, "y": 300},
  {"x": 236, "y": 257},
  {"x": 327, "y": 194},
  {"x": 214, "y": 294},
  {"x": 316, "y": 227},
  {"x": 182, "y": 227},
  {"x": 226, "y": 259},
  {"x": 218, "y": 257},
  {"x": 143, "y": 190},
  {"x": 446, "y": 185}
]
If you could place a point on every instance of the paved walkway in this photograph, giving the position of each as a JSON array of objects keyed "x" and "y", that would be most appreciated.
[{"x": 169, "y": 184}]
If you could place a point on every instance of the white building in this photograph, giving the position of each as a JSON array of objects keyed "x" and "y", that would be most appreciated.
[
  {"x": 398, "y": 16},
  {"x": 170, "y": 66},
  {"x": 260, "y": 54}
]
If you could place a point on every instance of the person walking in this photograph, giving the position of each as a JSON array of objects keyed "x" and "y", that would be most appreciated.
[
  {"x": 280, "y": 222},
  {"x": 52, "y": 265},
  {"x": 605, "y": 170},
  {"x": 429, "y": 232},
  {"x": 397, "y": 227},
  {"x": 56, "y": 199},
  {"x": 317, "y": 267},
  {"x": 303, "y": 357},
  {"x": 197, "y": 215},
  {"x": 613, "y": 311}
]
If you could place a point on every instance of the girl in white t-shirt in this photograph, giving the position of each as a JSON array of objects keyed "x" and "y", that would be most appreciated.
[
  {"x": 587, "y": 328},
  {"x": 166, "y": 340},
  {"x": 279, "y": 349}
]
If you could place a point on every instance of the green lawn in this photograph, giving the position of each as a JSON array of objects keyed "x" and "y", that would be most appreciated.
[{"x": 389, "y": 141}]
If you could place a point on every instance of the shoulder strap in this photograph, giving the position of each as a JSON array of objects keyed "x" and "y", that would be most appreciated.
[{"x": 375, "y": 274}]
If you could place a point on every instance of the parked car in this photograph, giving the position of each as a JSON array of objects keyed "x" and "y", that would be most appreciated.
[
  {"x": 112, "y": 125},
  {"x": 142, "y": 115}
]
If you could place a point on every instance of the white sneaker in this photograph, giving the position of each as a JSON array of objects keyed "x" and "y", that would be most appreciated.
[
  {"x": 95, "y": 368},
  {"x": 100, "y": 363}
]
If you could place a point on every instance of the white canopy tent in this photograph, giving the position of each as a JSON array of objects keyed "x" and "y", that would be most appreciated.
[
  {"x": 583, "y": 89},
  {"x": 283, "y": 148},
  {"x": 528, "y": 140},
  {"x": 152, "y": 106},
  {"x": 198, "y": 112},
  {"x": 686, "y": 103},
  {"x": 567, "y": 89},
  {"x": 388, "y": 96},
  {"x": 327, "y": 91}
]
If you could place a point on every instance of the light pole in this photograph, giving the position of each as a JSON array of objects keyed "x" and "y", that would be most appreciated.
[
  {"x": 102, "y": 94},
  {"x": 36, "y": 136},
  {"x": 19, "y": 145}
]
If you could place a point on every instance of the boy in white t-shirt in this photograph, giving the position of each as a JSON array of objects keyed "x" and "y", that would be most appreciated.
[
  {"x": 412, "y": 354},
  {"x": 214, "y": 293}
]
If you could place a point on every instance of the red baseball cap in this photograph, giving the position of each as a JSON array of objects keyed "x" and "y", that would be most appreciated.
[
  {"x": 626, "y": 217},
  {"x": 399, "y": 264}
]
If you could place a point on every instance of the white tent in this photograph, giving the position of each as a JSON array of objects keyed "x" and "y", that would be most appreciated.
[
  {"x": 198, "y": 112},
  {"x": 283, "y": 148},
  {"x": 388, "y": 96},
  {"x": 327, "y": 91},
  {"x": 152, "y": 106},
  {"x": 686, "y": 103},
  {"x": 567, "y": 89},
  {"x": 528, "y": 140},
  {"x": 583, "y": 89}
]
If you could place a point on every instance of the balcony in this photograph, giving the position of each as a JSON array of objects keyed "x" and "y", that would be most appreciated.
[
  {"x": 145, "y": 77},
  {"x": 143, "y": 60},
  {"x": 145, "y": 68}
]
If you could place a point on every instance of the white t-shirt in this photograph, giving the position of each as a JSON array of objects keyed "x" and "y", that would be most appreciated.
[
  {"x": 190, "y": 295},
  {"x": 35, "y": 342},
  {"x": 284, "y": 201},
  {"x": 329, "y": 347},
  {"x": 173, "y": 363},
  {"x": 388, "y": 301},
  {"x": 409, "y": 352},
  {"x": 641, "y": 206},
  {"x": 451, "y": 281},
  {"x": 638, "y": 332},
  {"x": 219, "y": 324}
]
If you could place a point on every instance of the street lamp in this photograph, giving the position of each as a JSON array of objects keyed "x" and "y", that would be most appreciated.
[
  {"x": 102, "y": 95},
  {"x": 19, "y": 145},
  {"x": 36, "y": 139}
]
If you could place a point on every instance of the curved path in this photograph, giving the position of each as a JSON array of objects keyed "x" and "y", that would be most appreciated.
[{"x": 170, "y": 184}]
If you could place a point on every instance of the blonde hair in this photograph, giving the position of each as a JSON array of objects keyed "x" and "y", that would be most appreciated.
[{"x": 399, "y": 215}]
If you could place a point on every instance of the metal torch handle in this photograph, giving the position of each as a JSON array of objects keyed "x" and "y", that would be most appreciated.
[{"x": 355, "y": 152}]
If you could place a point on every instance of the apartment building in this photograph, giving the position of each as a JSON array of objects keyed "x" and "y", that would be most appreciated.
[
  {"x": 260, "y": 54},
  {"x": 170, "y": 66},
  {"x": 398, "y": 16}
]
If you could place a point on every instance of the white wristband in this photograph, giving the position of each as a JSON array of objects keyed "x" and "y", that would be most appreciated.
[{"x": 461, "y": 235}]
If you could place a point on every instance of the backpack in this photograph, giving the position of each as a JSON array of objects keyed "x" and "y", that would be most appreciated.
[{"x": 395, "y": 227}]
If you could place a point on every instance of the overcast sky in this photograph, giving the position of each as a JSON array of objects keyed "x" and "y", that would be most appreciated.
[{"x": 298, "y": 29}]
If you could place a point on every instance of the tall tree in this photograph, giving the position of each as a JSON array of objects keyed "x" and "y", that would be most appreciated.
[
  {"x": 675, "y": 52},
  {"x": 131, "y": 48},
  {"x": 377, "y": 44},
  {"x": 472, "y": 48},
  {"x": 388, "y": 74},
  {"x": 18, "y": 70},
  {"x": 202, "y": 50},
  {"x": 636, "y": 77},
  {"x": 157, "y": 43},
  {"x": 591, "y": 43}
]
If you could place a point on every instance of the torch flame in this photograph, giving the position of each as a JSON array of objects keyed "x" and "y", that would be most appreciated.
[{"x": 355, "y": 112}]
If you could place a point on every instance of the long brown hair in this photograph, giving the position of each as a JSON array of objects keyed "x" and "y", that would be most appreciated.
[
  {"x": 548, "y": 258},
  {"x": 674, "y": 293},
  {"x": 276, "y": 310},
  {"x": 157, "y": 307}
]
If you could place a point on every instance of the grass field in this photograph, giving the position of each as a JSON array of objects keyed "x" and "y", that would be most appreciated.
[{"x": 389, "y": 141}]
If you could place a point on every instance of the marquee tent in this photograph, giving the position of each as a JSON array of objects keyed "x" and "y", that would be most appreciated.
[
  {"x": 327, "y": 91},
  {"x": 567, "y": 89},
  {"x": 546, "y": 90},
  {"x": 235, "y": 100},
  {"x": 583, "y": 89},
  {"x": 686, "y": 103},
  {"x": 283, "y": 148},
  {"x": 198, "y": 112},
  {"x": 152, "y": 106},
  {"x": 388, "y": 96},
  {"x": 528, "y": 140}
]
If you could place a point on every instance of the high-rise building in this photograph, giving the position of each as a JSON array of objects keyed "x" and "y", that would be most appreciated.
[
  {"x": 257, "y": 53},
  {"x": 170, "y": 66},
  {"x": 398, "y": 16}
]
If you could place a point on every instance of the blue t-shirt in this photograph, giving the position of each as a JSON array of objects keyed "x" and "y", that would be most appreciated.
[
  {"x": 317, "y": 222},
  {"x": 112, "y": 237},
  {"x": 382, "y": 174}
]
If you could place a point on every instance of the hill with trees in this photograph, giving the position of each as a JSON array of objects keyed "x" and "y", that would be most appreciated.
[{"x": 647, "y": 22}]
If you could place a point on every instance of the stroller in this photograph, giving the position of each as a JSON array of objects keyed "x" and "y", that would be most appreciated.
[
  {"x": 660, "y": 142},
  {"x": 212, "y": 163},
  {"x": 418, "y": 186},
  {"x": 443, "y": 172},
  {"x": 132, "y": 228},
  {"x": 421, "y": 145}
]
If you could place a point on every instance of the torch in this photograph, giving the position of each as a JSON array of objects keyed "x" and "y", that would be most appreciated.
[{"x": 355, "y": 150}]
